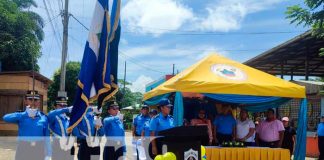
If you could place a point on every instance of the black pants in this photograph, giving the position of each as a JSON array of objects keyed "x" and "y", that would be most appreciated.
[
  {"x": 113, "y": 151},
  {"x": 321, "y": 147},
  {"x": 58, "y": 153},
  {"x": 158, "y": 142},
  {"x": 85, "y": 151},
  {"x": 250, "y": 144},
  {"x": 273, "y": 144},
  {"x": 30, "y": 150},
  {"x": 223, "y": 137}
]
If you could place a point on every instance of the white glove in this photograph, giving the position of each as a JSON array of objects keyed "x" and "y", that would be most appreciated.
[
  {"x": 121, "y": 116},
  {"x": 70, "y": 109},
  {"x": 97, "y": 121},
  {"x": 95, "y": 110}
]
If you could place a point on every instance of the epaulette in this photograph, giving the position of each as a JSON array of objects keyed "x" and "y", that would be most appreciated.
[{"x": 156, "y": 116}]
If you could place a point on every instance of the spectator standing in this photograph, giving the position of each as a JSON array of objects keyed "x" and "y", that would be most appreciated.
[
  {"x": 245, "y": 129},
  {"x": 289, "y": 136},
  {"x": 224, "y": 126}
]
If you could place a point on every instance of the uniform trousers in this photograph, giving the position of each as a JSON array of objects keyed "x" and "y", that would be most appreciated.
[{"x": 30, "y": 150}]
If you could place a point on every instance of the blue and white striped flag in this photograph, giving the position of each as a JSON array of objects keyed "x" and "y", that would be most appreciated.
[{"x": 98, "y": 75}]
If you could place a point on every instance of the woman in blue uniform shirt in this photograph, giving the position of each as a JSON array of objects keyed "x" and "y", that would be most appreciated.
[
  {"x": 114, "y": 131},
  {"x": 160, "y": 122},
  {"x": 33, "y": 132}
]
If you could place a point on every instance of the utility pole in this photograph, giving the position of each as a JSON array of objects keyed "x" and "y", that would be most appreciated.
[
  {"x": 66, "y": 15},
  {"x": 125, "y": 78},
  {"x": 173, "y": 66}
]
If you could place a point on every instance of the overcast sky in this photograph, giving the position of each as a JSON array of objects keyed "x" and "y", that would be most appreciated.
[{"x": 159, "y": 33}]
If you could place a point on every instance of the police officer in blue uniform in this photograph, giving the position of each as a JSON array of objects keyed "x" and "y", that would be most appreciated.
[
  {"x": 146, "y": 133},
  {"x": 138, "y": 124},
  {"x": 114, "y": 131},
  {"x": 89, "y": 131},
  {"x": 33, "y": 132},
  {"x": 58, "y": 124},
  {"x": 160, "y": 122}
]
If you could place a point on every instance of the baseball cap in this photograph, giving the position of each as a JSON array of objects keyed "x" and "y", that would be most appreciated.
[
  {"x": 154, "y": 112},
  {"x": 165, "y": 102},
  {"x": 145, "y": 106},
  {"x": 285, "y": 119}
]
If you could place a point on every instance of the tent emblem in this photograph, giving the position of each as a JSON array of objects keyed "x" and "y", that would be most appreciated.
[{"x": 228, "y": 72}]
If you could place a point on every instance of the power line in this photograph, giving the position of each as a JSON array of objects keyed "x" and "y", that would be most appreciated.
[
  {"x": 217, "y": 33},
  {"x": 139, "y": 64},
  {"x": 55, "y": 22},
  {"x": 60, "y": 5},
  {"x": 79, "y": 22},
  {"x": 52, "y": 19},
  {"x": 52, "y": 26},
  {"x": 197, "y": 32}
]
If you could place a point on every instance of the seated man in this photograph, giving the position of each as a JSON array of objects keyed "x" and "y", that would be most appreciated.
[
  {"x": 202, "y": 120},
  {"x": 270, "y": 132}
]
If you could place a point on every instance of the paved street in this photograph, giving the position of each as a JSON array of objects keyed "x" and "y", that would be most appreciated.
[{"x": 8, "y": 147}]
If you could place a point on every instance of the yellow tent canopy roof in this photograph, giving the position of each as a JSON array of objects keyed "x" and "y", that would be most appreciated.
[{"x": 218, "y": 75}]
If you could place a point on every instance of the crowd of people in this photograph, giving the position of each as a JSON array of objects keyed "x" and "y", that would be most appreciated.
[{"x": 35, "y": 129}]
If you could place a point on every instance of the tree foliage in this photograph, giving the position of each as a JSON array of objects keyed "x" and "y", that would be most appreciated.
[
  {"x": 71, "y": 79},
  {"x": 21, "y": 32},
  {"x": 312, "y": 15},
  {"x": 123, "y": 97}
]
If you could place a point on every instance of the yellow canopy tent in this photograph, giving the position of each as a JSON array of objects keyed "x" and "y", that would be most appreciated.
[
  {"x": 228, "y": 81},
  {"x": 219, "y": 75}
]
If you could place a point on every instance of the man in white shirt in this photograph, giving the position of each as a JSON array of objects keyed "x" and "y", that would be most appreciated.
[{"x": 245, "y": 129}]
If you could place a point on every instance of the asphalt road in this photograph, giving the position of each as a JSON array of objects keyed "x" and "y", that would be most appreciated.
[{"x": 8, "y": 148}]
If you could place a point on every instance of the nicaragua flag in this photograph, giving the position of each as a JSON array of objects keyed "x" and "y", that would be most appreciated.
[{"x": 98, "y": 75}]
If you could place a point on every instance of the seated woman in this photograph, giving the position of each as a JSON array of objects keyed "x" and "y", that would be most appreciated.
[{"x": 202, "y": 120}]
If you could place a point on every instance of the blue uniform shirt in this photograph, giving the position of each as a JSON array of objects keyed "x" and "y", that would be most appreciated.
[
  {"x": 31, "y": 129},
  {"x": 224, "y": 124},
  {"x": 87, "y": 128},
  {"x": 320, "y": 129},
  {"x": 146, "y": 129},
  {"x": 139, "y": 123},
  {"x": 160, "y": 122},
  {"x": 114, "y": 129},
  {"x": 58, "y": 123}
]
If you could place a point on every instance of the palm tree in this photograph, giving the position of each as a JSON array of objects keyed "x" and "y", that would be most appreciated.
[{"x": 38, "y": 22}]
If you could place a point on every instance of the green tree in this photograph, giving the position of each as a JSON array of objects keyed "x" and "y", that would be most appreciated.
[
  {"x": 125, "y": 97},
  {"x": 72, "y": 73},
  {"x": 21, "y": 32},
  {"x": 312, "y": 15}
]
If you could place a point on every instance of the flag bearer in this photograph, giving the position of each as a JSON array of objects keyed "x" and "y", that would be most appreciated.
[{"x": 89, "y": 130}]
